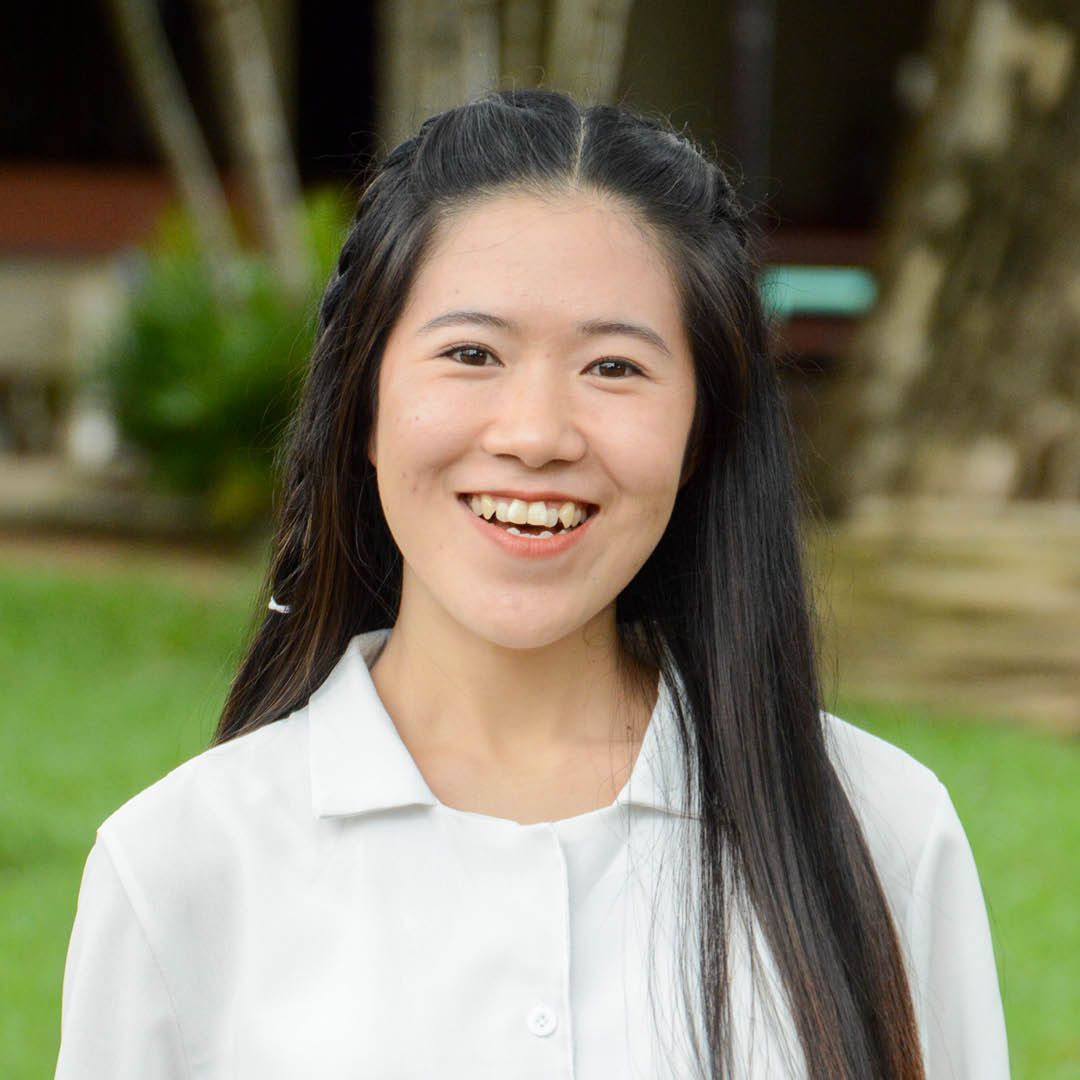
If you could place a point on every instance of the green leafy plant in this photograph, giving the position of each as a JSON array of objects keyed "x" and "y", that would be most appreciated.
[{"x": 202, "y": 379}]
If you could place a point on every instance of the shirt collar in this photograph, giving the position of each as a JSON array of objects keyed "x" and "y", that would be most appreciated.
[{"x": 359, "y": 763}]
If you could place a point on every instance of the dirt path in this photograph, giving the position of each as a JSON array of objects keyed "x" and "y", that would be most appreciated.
[{"x": 200, "y": 569}]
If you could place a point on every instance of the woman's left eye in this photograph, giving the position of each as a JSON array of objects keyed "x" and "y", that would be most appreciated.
[{"x": 618, "y": 369}]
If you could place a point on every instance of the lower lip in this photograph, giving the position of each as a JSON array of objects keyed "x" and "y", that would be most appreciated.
[{"x": 529, "y": 547}]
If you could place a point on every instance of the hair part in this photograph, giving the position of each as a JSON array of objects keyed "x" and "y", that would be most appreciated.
[{"x": 720, "y": 606}]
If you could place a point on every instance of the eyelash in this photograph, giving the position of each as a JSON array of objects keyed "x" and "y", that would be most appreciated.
[{"x": 629, "y": 367}]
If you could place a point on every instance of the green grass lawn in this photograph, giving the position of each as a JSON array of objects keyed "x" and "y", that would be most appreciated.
[
  {"x": 1018, "y": 795},
  {"x": 110, "y": 682}
]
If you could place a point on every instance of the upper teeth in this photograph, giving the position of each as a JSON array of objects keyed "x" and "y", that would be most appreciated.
[{"x": 520, "y": 512}]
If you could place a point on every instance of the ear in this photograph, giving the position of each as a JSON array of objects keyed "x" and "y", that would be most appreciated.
[{"x": 371, "y": 448}]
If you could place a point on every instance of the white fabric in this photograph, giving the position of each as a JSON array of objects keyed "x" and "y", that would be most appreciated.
[{"x": 297, "y": 903}]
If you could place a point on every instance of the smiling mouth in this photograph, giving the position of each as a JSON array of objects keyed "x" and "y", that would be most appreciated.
[{"x": 521, "y": 518}]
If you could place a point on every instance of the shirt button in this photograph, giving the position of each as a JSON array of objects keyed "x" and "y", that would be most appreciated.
[{"x": 542, "y": 1021}]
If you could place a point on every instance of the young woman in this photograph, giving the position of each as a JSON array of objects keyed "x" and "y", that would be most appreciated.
[{"x": 525, "y": 773}]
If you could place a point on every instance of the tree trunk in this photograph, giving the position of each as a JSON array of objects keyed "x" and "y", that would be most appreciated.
[
  {"x": 168, "y": 110},
  {"x": 522, "y": 42},
  {"x": 395, "y": 71},
  {"x": 585, "y": 47},
  {"x": 439, "y": 51},
  {"x": 280, "y": 20},
  {"x": 965, "y": 378},
  {"x": 435, "y": 55},
  {"x": 422, "y": 43},
  {"x": 257, "y": 122},
  {"x": 480, "y": 46}
]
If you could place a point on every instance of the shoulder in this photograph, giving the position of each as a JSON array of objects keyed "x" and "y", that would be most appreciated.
[
  {"x": 927, "y": 870},
  {"x": 214, "y": 812},
  {"x": 899, "y": 803},
  {"x": 169, "y": 889},
  {"x": 246, "y": 770},
  {"x": 878, "y": 776}
]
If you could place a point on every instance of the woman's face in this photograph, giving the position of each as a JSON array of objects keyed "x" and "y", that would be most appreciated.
[{"x": 540, "y": 358}]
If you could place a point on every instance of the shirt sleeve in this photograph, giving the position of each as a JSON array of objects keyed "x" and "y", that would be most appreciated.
[
  {"x": 957, "y": 1000},
  {"x": 118, "y": 1020}
]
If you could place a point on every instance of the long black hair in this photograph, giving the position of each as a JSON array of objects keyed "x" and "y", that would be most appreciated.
[{"x": 720, "y": 607}]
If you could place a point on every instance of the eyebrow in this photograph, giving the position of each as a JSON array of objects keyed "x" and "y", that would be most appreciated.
[{"x": 590, "y": 328}]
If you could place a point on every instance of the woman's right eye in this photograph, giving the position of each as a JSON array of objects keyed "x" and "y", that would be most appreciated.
[{"x": 470, "y": 355}]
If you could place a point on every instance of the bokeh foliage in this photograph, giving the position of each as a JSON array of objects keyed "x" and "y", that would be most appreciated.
[{"x": 202, "y": 377}]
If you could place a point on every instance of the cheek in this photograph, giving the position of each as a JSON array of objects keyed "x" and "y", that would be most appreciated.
[
  {"x": 646, "y": 453},
  {"x": 418, "y": 431}
]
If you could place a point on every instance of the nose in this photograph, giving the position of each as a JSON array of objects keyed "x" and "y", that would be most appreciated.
[{"x": 533, "y": 419}]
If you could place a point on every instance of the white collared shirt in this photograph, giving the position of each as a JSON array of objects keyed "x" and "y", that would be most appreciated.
[{"x": 297, "y": 903}]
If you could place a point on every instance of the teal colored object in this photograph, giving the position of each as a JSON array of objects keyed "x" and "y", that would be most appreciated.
[{"x": 845, "y": 291}]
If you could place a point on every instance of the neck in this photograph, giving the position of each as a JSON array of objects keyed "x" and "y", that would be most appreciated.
[{"x": 442, "y": 683}]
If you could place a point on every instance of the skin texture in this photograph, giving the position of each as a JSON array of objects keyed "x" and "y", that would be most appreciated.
[{"x": 503, "y": 667}]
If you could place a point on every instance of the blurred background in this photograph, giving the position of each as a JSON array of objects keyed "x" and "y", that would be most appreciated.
[{"x": 175, "y": 178}]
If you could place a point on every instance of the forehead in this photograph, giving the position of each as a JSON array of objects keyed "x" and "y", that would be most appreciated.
[{"x": 568, "y": 256}]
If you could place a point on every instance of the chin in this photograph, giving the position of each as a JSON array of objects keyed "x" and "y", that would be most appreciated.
[{"x": 522, "y": 630}]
